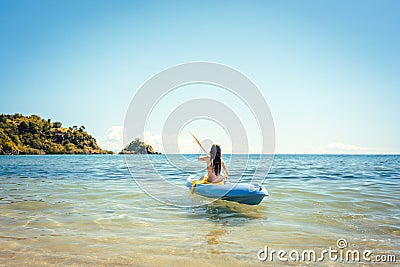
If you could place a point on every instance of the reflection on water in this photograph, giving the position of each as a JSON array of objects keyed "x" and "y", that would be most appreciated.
[
  {"x": 214, "y": 235},
  {"x": 231, "y": 213},
  {"x": 214, "y": 238},
  {"x": 86, "y": 210}
]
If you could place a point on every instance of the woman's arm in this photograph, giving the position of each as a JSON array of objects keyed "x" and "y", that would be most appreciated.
[
  {"x": 204, "y": 158},
  {"x": 225, "y": 169}
]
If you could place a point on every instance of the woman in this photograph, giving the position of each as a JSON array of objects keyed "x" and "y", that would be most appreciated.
[{"x": 214, "y": 163}]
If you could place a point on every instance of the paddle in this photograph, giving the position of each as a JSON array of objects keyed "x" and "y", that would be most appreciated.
[{"x": 198, "y": 142}]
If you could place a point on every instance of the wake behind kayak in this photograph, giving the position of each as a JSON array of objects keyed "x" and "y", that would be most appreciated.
[{"x": 244, "y": 193}]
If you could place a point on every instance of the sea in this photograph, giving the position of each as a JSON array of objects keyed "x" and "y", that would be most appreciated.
[{"x": 112, "y": 210}]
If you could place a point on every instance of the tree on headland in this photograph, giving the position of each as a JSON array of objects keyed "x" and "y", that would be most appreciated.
[
  {"x": 57, "y": 124},
  {"x": 33, "y": 135},
  {"x": 6, "y": 144},
  {"x": 22, "y": 127}
]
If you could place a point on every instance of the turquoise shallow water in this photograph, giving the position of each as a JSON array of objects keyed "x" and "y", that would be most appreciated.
[{"x": 87, "y": 210}]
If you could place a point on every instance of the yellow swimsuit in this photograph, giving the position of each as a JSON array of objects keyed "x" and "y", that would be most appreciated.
[{"x": 205, "y": 179}]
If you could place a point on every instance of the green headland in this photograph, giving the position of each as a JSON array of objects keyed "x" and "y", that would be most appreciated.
[
  {"x": 21, "y": 135},
  {"x": 28, "y": 135}
]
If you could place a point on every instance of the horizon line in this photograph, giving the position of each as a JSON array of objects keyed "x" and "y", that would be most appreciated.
[{"x": 277, "y": 154}]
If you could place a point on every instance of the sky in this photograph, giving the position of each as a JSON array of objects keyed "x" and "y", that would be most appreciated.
[{"x": 329, "y": 70}]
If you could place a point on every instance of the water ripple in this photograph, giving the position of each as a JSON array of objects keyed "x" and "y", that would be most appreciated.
[{"x": 90, "y": 205}]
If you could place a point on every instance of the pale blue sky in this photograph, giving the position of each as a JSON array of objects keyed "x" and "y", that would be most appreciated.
[{"x": 328, "y": 69}]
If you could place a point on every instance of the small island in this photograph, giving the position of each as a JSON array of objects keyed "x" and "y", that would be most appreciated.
[
  {"x": 138, "y": 147},
  {"x": 24, "y": 135}
]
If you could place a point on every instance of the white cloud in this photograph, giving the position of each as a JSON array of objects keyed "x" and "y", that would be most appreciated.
[
  {"x": 113, "y": 139},
  {"x": 188, "y": 145},
  {"x": 341, "y": 148},
  {"x": 168, "y": 143},
  {"x": 155, "y": 140}
]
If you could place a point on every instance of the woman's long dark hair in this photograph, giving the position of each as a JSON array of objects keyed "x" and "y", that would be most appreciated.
[{"x": 215, "y": 158}]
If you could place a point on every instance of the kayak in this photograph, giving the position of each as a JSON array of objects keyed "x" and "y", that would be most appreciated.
[{"x": 244, "y": 193}]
